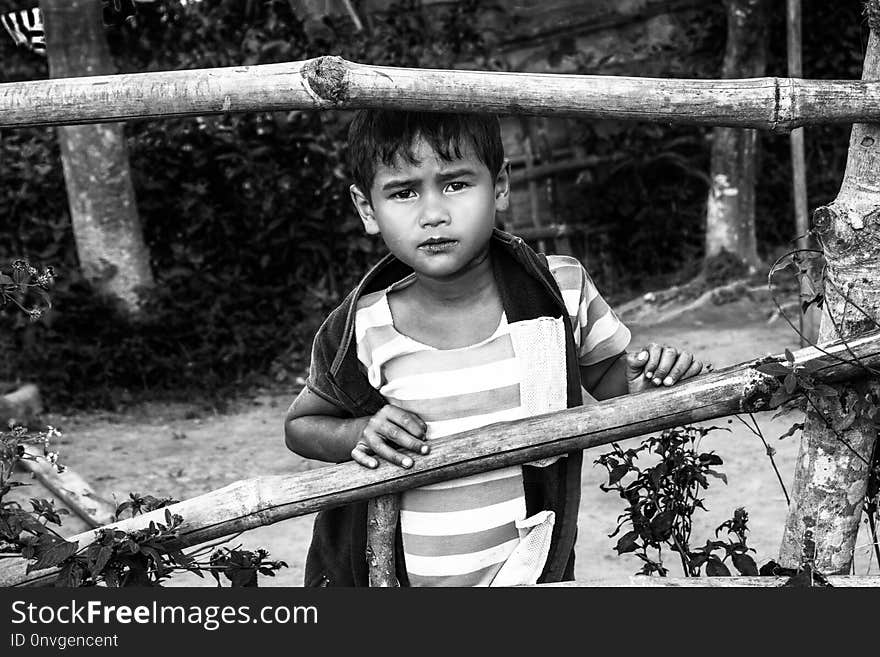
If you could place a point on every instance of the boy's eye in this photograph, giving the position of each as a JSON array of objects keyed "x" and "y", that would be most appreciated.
[
  {"x": 456, "y": 186},
  {"x": 403, "y": 194}
]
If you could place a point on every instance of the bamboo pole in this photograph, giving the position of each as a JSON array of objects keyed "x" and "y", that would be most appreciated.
[
  {"x": 718, "y": 582},
  {"x": 778, "y": 104},
  {"x": 255, "y": 502}
]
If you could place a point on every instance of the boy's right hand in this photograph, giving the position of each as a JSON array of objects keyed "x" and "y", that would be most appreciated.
[{"x": 391, "y": 425}]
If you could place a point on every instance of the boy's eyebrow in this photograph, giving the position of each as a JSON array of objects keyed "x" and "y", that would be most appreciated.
[
  {"x": 457, "y": 172},
  {"x": 399, "y": 182},
  {"x": 444, "y": 175}
]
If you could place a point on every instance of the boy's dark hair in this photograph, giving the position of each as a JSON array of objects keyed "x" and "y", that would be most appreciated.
[{"x": 380, "y": 135}]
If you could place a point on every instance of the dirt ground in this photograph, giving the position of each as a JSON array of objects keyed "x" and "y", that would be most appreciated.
[{"x": 178, "y": 450}]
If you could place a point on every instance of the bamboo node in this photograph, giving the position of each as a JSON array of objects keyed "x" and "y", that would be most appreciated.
[{"x": 325, "y": 78}]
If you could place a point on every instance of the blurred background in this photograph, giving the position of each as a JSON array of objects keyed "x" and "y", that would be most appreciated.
[{"x": 248, "y": 234}]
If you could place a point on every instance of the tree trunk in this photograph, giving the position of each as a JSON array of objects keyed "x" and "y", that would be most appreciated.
[
  {"x": 106, "y": 227},
  {"x": 730, "y": 211},
  {"x": 830, "y": 477}
]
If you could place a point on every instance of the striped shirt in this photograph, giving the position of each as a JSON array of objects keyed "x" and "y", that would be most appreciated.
[{"x": 461, "y": 532}]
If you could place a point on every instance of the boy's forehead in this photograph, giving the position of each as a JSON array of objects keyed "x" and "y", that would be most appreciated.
[{"x": 425, "y": 156}]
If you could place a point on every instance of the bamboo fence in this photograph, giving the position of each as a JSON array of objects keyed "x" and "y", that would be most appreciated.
[{"x": 255, "y": 502}]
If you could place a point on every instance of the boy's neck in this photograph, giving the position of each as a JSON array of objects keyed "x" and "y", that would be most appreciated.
[{"x": 466, "y": 288}]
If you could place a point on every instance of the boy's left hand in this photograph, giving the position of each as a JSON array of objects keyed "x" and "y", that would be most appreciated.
[{"x": 657, "y": 365}]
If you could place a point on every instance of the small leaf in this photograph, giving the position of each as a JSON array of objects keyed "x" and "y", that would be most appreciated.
[
  {"x": 774, "y": 369},
  {"x": 54, "y": 554},
  {"x": 789, "y": 356},
  {"x": 617, "y": 473},
  {"x": 101, "y": 560},
  {"x": 717, "y": 475},
  {"x": 790, "y": 383},
  {"x": 797, "y": 426},
  {"x": 745, "y": 564},
  {"x": 714, "y": 568},
  {"x": 661, "y": 524},
  {"x": 71, "y": 575},
  {"x": 627, "y": 543},
  {"x": 824, "y": 390}
]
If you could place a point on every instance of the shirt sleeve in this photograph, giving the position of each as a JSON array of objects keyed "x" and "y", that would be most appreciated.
[{"x": 598, "y": 332}]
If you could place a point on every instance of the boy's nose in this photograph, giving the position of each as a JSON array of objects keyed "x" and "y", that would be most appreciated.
[{"x": 433, "y": 214}]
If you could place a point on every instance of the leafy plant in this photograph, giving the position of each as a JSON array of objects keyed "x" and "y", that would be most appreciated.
[
  {"x": 22, "y": 280},
  {"x": 662, "y": 499}
]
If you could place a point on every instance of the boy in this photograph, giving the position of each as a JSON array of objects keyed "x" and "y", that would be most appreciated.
[{"x": 460, "y": 326}]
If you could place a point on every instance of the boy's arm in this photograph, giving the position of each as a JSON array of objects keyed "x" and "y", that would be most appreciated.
[
  {"x": 316, "y": 429},
  {"x": 634, "y": 372}
]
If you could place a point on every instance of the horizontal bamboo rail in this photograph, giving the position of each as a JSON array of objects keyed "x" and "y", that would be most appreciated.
[
  {"x": 718, "y": 582},
  {"x": 778, "y": 104},
  {"x": 255, "y": 502}
]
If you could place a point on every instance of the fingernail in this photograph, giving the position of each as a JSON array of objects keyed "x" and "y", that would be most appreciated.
[
  {"x": 406, "y": 463},
  {"x": 424, "y": 449},
  {"x": 643, "y": 355},
  {"x": 649, "y": 374},
  {"x": 374, "y": 464},
  {"x": 657, "y": 382},
  {"x": 667, "y": 381}
]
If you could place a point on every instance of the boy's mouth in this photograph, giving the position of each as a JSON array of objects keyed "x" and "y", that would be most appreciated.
[{"x": 437, "y": 244}]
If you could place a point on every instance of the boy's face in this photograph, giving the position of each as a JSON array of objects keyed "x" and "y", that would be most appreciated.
[{"x": 436, "y": 216}]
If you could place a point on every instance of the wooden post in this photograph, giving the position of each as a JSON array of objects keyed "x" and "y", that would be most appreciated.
[
  {"x": 383, "y": 513},
  {"x": 832, "y": 469},
  {"x": 809, "y": 320},
  {"x": 264, "y": 500}
]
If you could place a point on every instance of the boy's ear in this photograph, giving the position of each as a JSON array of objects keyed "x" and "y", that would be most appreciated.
[
  {"x": 502, "y": 187},
  {"x": 365, "y": 210}
]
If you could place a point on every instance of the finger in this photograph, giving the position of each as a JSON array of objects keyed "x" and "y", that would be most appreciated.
[
  {"x": 635, "y": 364},
  {"x": 384, "y": 451},
  {"x": 400, "y": 436},
  {"x": 667, "y": 360},
  {"x": 654, "y": 352},
  {"x": 695, "y": 368},
  {"x": 412, "y": 423},
  {"x": 361, "y": 454},
  {"x": 388, "y": 453},
  {"x": 682, "y": 363}
]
